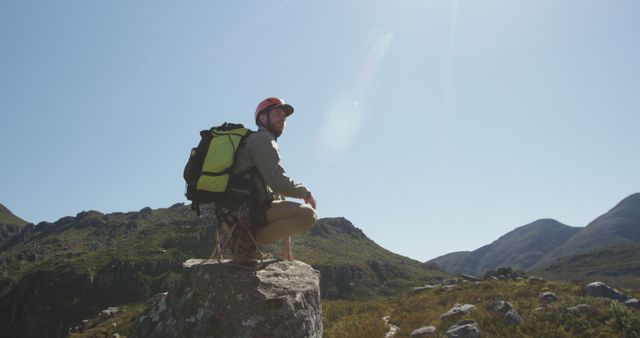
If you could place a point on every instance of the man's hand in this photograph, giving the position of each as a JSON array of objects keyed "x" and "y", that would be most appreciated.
[
  {"x": 311, "y": 201},
  {"x": 286, "y": 249}
]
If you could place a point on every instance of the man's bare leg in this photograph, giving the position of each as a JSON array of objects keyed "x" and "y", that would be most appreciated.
[{"x": 286, "y": 218}]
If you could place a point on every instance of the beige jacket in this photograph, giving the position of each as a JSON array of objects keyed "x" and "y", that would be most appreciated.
[{"x": 262, "y": 152}]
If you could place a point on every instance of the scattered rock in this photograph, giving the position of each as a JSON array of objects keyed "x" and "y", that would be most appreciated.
[
  {"x": 423, "y": 332},
  {"x": 502, "y": 273},
  {"x": 279, "y": 299},
  {"x": 458, "y": 309},
  {"x": 500, "y": 307},
  {"x": 548, "y": 297},
  {"x": 633, "y": 302},
  {"x": 110, "y": 311},
  {"x": 535, "y": 279},
  {"x": 600, "y": 289},
  {"x": 506, "y": 311},
  {"x": 513, "y": 317},
  {"x": 580, "y": 308},
  {"x": 115, "y": 335},
  {"x": 464, "y": 328},
  {"x": 449, "y": 287},
  {"x": 470, "y": 277},
  {"x": 393, "y": 328}
]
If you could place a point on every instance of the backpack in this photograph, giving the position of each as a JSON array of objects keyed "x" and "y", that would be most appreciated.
[{"x": 208, "y": 171}]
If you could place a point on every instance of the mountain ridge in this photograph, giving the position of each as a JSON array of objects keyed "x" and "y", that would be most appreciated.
[
  {"x": 519, "y": 248},
  {"x": 10, "y": 224},
  {"x": 606, "y": 248},
  {"x": 619, "y": 225},
  {"x": 54, "y": 274}
]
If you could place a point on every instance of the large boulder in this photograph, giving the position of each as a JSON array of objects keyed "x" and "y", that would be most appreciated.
[
  {"x": 548, "y": 297},
  {"x": 278, "y": 298},
  {"x": 506, "y": 311},
  {"x": 464, "y": 329},
  {"x": 600, "y": 289}
]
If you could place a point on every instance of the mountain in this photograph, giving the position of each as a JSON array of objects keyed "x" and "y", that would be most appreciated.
[
  {"x": 56, "y": 274},
  {"x": 520, "y": 249},
  {"x": 619, "y": 226},
  {"x": 10, "y": 224}
]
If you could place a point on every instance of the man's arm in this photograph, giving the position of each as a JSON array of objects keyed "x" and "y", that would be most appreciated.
[{"x": 267, "y": 158}]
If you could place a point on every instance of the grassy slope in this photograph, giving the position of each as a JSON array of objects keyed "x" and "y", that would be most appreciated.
[
  {"x": 7, "y": 217},
  {"x": 618, "y": 265},
  {"x": 413, "y": 311}
]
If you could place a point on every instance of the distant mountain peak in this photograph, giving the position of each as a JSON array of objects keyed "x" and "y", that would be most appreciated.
[
  {"x": 7, "y": 217},
  {"x": 631, "y": 201}
]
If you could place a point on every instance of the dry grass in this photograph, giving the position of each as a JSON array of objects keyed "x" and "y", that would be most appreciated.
[{"x": 413, "y": 311}]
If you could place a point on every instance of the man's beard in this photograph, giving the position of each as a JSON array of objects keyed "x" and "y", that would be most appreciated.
[{"x": 275, "y": 132}]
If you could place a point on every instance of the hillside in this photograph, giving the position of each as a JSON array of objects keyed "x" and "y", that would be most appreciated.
[
  {"x": 519, "y": 248},
  {"x": 10, "y": 224},
  {"x": 618, "y": 265},
  {"x": 619, "y": 226},
  {"x": 56, "y": 274}
]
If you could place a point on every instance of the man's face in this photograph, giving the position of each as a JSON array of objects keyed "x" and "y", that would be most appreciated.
[{"x": 278, "y": 119}]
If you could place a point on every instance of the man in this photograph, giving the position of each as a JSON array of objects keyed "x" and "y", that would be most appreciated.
[{"x": 273, "y": 218}]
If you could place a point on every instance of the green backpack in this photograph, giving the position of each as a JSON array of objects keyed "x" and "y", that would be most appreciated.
[{"x": 207, "y": 173}]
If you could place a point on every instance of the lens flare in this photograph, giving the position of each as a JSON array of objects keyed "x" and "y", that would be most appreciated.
[{"x": 347, "y": 113}]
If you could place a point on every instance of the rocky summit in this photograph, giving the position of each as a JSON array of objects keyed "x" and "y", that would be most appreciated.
[{"x": 223, "y": 299}]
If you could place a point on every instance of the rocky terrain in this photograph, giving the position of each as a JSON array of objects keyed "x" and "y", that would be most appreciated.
[{"x": 55, "y": 275}]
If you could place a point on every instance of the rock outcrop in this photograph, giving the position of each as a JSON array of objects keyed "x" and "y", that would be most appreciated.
[
  {"x": 278, "y": 298},
  {"x": 600, "y": 289}
]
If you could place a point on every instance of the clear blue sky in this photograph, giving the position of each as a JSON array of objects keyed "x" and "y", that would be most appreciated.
[{"x": 435, "y": 126}]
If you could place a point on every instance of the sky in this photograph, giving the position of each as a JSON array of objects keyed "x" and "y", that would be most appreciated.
[{"x": 434, "y": 126}]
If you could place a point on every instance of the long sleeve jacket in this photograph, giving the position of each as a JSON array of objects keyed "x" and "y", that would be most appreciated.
[{"x": 261, "y": 152}]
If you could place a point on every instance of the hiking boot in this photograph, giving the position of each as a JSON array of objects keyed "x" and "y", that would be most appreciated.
[{"x": 244, "y": 248}]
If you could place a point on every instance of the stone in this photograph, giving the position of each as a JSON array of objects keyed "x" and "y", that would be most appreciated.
[
  {"x": 506, "y": 311},
  {"x": 393, "y": 328},
  {"x": 470, "y": 277},
  {"x": 548, "y": 297},
  {"x": 580, "y": 308},
  {"x": 464, "y": 329},
  {"x": 513, "y": 317},
  {"x": 110, "y": 311},
  {"x": 424, "y": 332},
  {"x": 500, "y": 307},
  {"x": 449, "y": 287},
  {"x": 458, "y": 309},
  {"x": 633, "y": 302},
  {"x": 535, "y": 279},
  {"x": 222, "y": 299},
  {"x": 600, "y": 289}
]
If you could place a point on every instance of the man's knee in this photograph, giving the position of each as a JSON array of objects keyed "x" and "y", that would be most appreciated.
[{"x": 308, "y": 217}]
